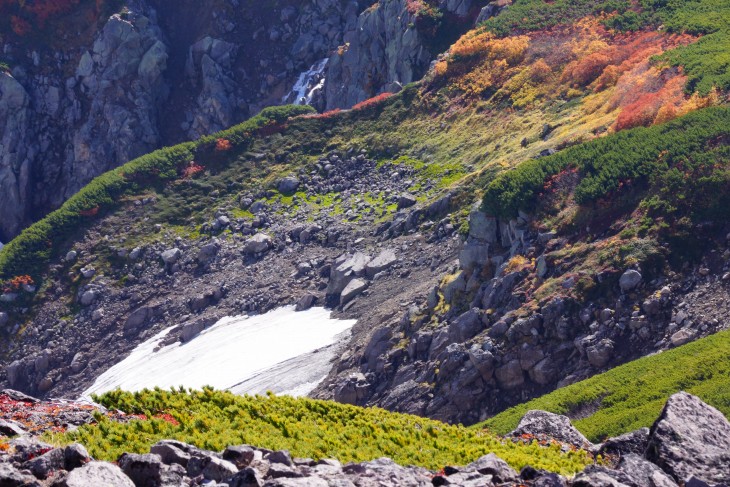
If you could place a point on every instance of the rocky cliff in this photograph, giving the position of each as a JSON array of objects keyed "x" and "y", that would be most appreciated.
[{"x": 153, "y": 74}]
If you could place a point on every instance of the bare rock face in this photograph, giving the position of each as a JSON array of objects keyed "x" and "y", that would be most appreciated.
[
  {"x": 388, "y": 47},
  {"x": 16, "y": 154},
  {"x": 691, "y": 439}
]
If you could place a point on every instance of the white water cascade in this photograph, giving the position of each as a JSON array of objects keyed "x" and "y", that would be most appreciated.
[
  {"x": 283, "y": 351},
  {"x": 308, "y": 84}
]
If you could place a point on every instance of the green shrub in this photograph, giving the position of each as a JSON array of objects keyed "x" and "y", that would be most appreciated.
[
  {"x": 631, "y": 396},
  {"x": 605, "y": 164}
]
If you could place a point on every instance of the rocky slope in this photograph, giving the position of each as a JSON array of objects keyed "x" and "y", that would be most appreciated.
[
  {"x": 156, "y": 74},
  {"x": 475, "y": 287}
]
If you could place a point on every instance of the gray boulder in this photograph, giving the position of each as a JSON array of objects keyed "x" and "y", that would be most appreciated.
[
  {"x": 207, "y": 253},
  {"x": 170, "y": 452},
  {"x": 353, "y": 289},
  {"x": 466, "y": 326},
  {"x": 43, "y": 465},
  {"x": 258, "y": 244},
  {"x": 240, "y": 455},
  {"x": 552, "y": 425},
  {"x": 346, "y": 268},
  {"x": 75, "y": 456},
  {"x": 144, "y": 470},
  {"x": 510, "y": 375},
  {"x": 171, "y": 256},
  {"x": 492, "y": 465},
  {"x": 406, "y": 201},
  {"x": 288, "y": 185},
  {"x": 383, "y": 261},
  {"x": 97, "y": 473},
  {"x": 600, "y": 354},
  {"x": 306, "y": 302},
  {"x": 633, "y": 442},
  {"x": 629, "y": 280},
  {"x": 11, "y": 477},
  {"x": 691, "y": 439},
  {"x": 11, "y": 428}
]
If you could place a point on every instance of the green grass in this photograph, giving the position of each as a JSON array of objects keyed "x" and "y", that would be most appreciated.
[
  {"x": 308, "y": 428},
  {"x": 631, "y": 396}
]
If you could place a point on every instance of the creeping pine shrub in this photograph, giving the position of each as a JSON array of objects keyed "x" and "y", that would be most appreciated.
[
  {"x": 603, "y": 164},
  {"x": 309, "y": 428}
]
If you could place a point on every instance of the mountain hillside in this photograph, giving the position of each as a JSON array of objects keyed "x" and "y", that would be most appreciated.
[
  {"x": 528, "y": 202},
  {"x": 87, "y": 86}
]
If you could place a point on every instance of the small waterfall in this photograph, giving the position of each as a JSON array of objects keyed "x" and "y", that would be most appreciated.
[{"x": 308, "y": 84}]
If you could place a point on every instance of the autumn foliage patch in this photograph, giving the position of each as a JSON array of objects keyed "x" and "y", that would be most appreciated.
[{"x": 371, "y": 102}]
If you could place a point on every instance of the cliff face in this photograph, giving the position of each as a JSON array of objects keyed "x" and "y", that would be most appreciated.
[
  {"x": 148, "y": 76},
  {"x": 393, "y": 45},
  {"x": 155, "y": 74}
]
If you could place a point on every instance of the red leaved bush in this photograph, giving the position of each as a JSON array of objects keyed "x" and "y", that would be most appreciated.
[
  {"x": 192, "y": 170},
  {"x": 324, "y": 115},
  {"x": 90, "y": 212},
  {"x": 371, "y": 102}
]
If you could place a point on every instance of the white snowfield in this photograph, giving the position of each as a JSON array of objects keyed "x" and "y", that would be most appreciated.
[{"x": 282, "y": 351}]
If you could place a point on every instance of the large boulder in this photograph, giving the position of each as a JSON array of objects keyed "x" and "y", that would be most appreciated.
[
  {"x": 383, "y": 261},
  {"x": 97, "y": 473},
  {"x": 629, "y": 280},
  {"x": 353, "y": 289},
  {"x": 691, "y": 439},
  {"x": 288, "y": 185},
  {"x": 556, "y": 426},
  {"x": 12, "y": 477},
  {"x": 258, "y": 244},
  {"x": 492, "y": 465},
  {"x": 346, "y": 268}
]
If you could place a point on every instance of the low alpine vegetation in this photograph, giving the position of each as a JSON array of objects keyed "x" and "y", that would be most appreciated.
[{"x": 307, "y": 428}]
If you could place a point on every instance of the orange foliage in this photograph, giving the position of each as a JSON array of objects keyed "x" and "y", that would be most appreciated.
[
  {"x": 376, "y": 100},
  {"x": 16, "y": 283},
  {"x": 223, "y": 145}
]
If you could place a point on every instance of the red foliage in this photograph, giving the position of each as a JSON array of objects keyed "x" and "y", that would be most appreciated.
[
  {"x": 376, "y": 100},
  {"x": 19, "y": 25},
  {"x": 271, "y": 129},
  {"x": 90, "y": 212},
  {"x": 192, "y": 170},
  {"x": 168, "y": 418},
  {"x": 324, "y": 115},
  {"x": 644, "y": 107},
  {"x": 223, "y": 145}
]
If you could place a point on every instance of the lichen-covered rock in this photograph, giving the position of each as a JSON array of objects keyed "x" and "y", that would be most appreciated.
[{"x": 691, "y": 439}]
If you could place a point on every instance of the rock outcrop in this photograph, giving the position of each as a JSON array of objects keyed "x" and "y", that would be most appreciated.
[{"x": 391, "y": 46}]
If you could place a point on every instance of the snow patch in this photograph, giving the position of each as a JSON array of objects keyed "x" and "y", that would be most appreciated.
[{"x": 282, "y": 351}]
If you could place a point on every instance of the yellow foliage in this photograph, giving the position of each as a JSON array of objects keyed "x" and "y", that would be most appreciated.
[{"x": 516, "y": 263}]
